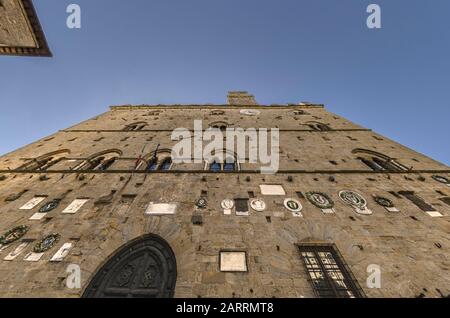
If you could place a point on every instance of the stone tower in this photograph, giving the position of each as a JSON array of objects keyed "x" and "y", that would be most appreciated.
[
  {"x": 101, "y": 209},
  {"x": 20, "y": 30}
]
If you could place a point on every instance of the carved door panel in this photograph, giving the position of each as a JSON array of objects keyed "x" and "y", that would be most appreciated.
[{"x": 144, "y": 268}]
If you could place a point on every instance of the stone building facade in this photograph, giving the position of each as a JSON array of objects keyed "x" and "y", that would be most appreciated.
[
  {"x": 20, "y": 30},
  {"x": 348, "y": 213}
]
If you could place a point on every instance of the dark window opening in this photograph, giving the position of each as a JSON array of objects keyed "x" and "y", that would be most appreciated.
[
  {"x": 228, "y": 166},
  {"x": 319, "y": 127},
  {"x": 395, "y": 194},
  {"x": 166, "y": 164},
  {"x": 215, "y": 166},
  {"x": 152, "y": 165},
  {"x": 135, "y": 127},
  {"x": 419, "y": 202}
]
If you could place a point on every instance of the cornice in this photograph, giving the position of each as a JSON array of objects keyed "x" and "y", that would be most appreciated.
[
  {"x": 42, "y": 49},
  {"x": 213, "y": 106}
]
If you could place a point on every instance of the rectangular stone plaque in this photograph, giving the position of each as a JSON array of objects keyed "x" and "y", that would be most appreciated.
[
  {"x": 73, "y": 207},
  {"x": 19, "y": 249},
  {"x": 33, "y": 257},
  {"x": 233, "y": 262},
  {"x": 272, "y": 189},
  {"x": 37, "y": 216},
  {"x": 32, "y": 203},
  {"x": 161, "y": 208},
  {"x": 62, "y": 253},
  {"x": 393, "y": 209},
  {"x": 434, "y": 214}
]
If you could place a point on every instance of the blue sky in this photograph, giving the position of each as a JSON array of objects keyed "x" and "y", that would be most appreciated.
[{"x": 394, "y": 80}]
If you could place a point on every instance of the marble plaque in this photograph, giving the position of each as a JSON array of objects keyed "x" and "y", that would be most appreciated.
[
  {"x": 32, "y": 203},
  {"x": 434, "y": 214},
  {"x": 272, "y": 189},
  {"x": 33, "y": 257},
  {"x": 73, "y": 207},
  {"x": 37, "y": 216},
  {"x": 393, "y": 209},
  {"x": 16, "y": 252},
  {"x": 161, "y": 208},
  {"x": 227, "y": 205},
  {"x": 62, "y": 253},
  {"x": 233, "y": 262},
  {"x": 258, "y": 205}
]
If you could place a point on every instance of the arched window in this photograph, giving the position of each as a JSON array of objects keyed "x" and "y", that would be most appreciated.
[
  {"x": 300, "y": 112},
  {"x": 215, "y": 166},
  {"x": 135, "y": 126},
  {"x": 229, "y": 166},
  {"x": 166, "y": 164},
  {"x": 221, "y": 125},
  {"x": 100, "y": 161},
  {"x": 223, "y": 161},
  {"x": 159, "y": 161},
  {"x": 378, "y": 161},
  {"x": 317, "y": 126},
  {"x": 152, "y": 165},
  {"x": 46, "y": 161}
]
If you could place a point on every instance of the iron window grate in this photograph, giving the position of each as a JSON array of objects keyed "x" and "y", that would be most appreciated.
[{"x": 327, "y": 272}]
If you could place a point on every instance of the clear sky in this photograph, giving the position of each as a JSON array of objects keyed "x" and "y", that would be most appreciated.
[{"x": 394, "y": 80}]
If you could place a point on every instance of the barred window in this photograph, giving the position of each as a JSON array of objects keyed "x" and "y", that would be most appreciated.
[{"x": 328, "y": 275}]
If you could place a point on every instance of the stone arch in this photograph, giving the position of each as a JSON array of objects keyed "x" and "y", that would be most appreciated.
[
  {"x": 222, "y": 125},
  {"x": 378, "y": 161},
  {"x": 135, "y": 126},
  {"x": 144, "y": 267},
  {"x": 100, "y": 160},
  {"x": 160, "y": 159},
  {"x": 318, "y": 126},
  {"x": 45, "y": 161},
  {"x": 223, "y": 160}
]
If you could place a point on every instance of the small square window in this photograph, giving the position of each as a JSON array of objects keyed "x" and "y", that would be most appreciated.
[{"x": 233, "y": 261}]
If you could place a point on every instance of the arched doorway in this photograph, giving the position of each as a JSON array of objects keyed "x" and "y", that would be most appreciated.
[{"x": 143, "y": 268}]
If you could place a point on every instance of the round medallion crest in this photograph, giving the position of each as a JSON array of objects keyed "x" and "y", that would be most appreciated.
[
  {"x": 320, "y": 200},
  {"x": 258, "y": 205},
  {"x": 227, "y": 204},
  {"x": 385, "y": 202},
  {"x": 441, "y": 179},
  {"x": 293, "y": 205},
  {"x": 202, "y": 203},
  {"x": 14, "y": 234},
  {"x": 250, "y": 112},
  {"x": 46, "y": 243},
  {"x": 49, "y": 206},
  {"x": 354, "y": 199}
]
